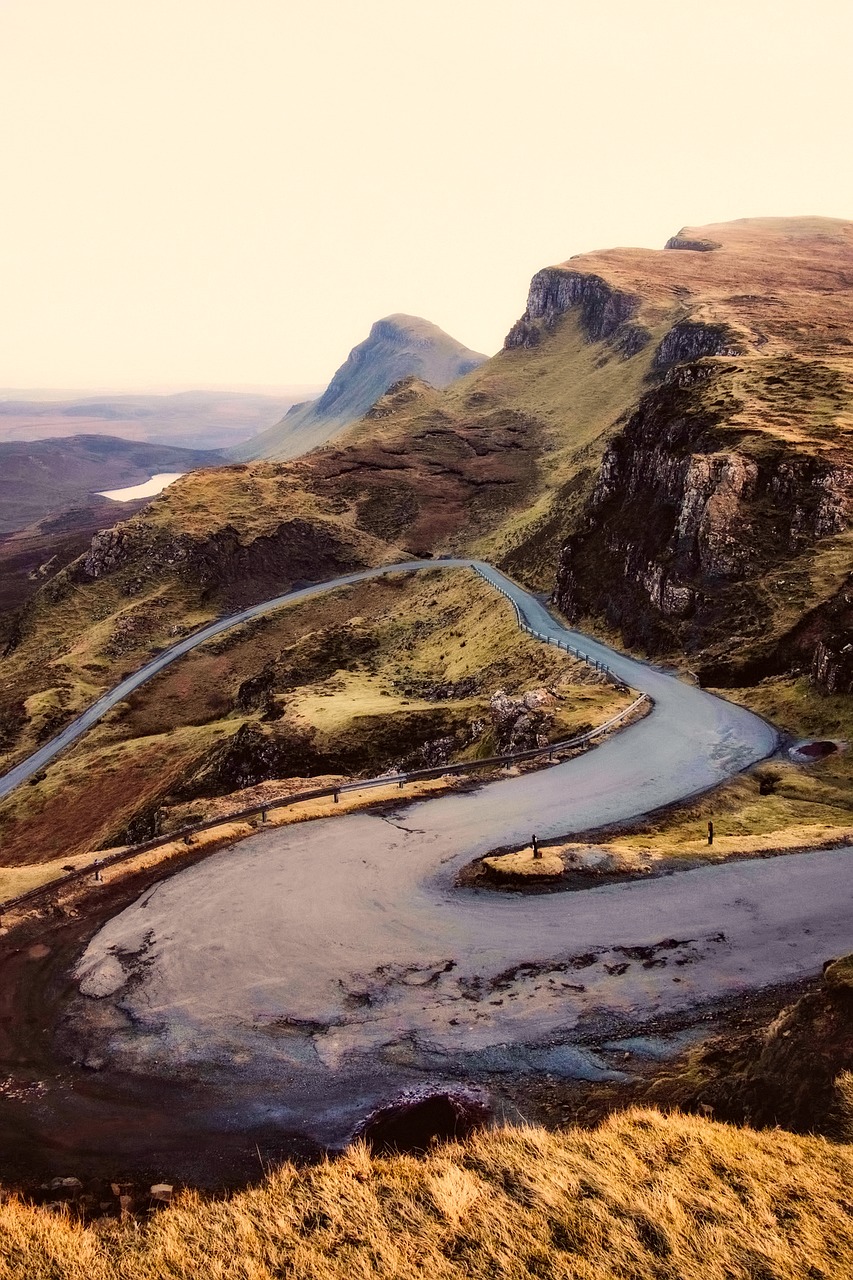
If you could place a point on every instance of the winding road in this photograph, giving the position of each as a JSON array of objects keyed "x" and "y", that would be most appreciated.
[{"x": 308, "y": 971}]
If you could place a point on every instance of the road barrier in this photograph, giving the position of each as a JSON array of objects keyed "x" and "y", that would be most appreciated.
[{"x": 560, "y": 644}]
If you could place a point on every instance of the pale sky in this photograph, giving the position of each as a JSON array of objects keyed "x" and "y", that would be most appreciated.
[{"x": 229, "y": 192}]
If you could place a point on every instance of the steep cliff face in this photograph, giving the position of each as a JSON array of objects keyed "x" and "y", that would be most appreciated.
[
  {"x": 554, "y": 291},
  {"x": 687, "y": 520},
  {"x": 719, "y": 519}
]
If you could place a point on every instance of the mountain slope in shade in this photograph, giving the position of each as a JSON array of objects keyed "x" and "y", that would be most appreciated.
[{"x": 397, "y": 347}]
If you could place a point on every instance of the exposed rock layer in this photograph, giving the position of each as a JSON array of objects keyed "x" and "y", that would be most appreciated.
[
  {"x": 555, "y": 291},
  {"x": 686, "y": 516}
]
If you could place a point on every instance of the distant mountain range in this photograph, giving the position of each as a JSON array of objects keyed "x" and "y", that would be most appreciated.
[
  {"x": 190, "y": 419},
  {"x": 397, "y": 347}
]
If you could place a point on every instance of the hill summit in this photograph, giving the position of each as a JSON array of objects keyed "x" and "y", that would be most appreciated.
[{"x": 397, "y": 347}]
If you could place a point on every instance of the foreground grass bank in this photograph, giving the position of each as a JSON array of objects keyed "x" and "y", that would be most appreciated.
[{"x": 643, "y": 1196}]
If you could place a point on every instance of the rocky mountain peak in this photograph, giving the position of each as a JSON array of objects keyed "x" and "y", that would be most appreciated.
[{"x": 398, "y": 346}]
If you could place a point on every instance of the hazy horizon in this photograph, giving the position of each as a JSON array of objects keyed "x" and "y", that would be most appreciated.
[
  {"x": 204, "y": 196},
  {"x": 49, "y": 394}
]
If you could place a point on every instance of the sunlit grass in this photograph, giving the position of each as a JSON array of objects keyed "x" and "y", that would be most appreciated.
[{"x": 642, "y": 1196}]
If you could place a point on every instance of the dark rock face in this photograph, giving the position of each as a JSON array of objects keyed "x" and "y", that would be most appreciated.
[
  {"x": 785, "y": 1074},
  {"x": 697, "y": 246},
  {"x": 832, "y": 668},
  {"x": 555, "y": 291},
  {"x": 690, "y": 340},
  {"x": 631, "y": 340},
  {"x": 252, "y": 755},
  {"x": 416, "y": 1121},
  {"x": 297, "y": 553},
  {"x": 438, "y": 691},
  {"x": 824, "y": 643},
  {"x": 683, "y": 518},
  {"x": 521, "y": 723},
  {"x": 255, "y": 694}
]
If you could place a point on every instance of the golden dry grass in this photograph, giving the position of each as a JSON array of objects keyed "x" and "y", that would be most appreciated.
[
  {"x": 522, "y": 864},
  {"x": 642, "y": 1197}
]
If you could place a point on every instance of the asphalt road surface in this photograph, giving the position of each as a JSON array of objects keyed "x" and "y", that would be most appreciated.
[{"x": 329, "y": 954}]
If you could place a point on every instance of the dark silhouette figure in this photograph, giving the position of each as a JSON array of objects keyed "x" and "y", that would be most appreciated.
[
  {"x": 710, "y": 833},
  {"x": 537, "y": 852}
]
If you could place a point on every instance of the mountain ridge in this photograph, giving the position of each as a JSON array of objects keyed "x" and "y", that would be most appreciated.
[
  {"x": 40, "y": 478},
  {"x": 183, "y": 419}
]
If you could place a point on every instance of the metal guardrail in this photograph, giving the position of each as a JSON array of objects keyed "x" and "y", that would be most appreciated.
[
  {"x": 318, "y": 793},
  {"x": 538, "y": 635}
]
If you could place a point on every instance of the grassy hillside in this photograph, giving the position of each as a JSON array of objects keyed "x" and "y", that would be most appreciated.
[
  {"x": 664, "y": 438},
  {"x": 477, "y": 466},
  {"x": 643, "y": 1196}
]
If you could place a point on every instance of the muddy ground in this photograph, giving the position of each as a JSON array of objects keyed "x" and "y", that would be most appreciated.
[{"x": 60, "y": 1119}]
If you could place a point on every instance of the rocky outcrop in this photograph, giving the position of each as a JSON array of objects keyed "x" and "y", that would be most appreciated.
[
  {"x": 823, "y": 644},
  {"x": 296, "y": 553},
  {"x": 438, "y": 690},
  {"x": 691, "y": 340},
  {"x": 818, "y": 495},
  {"x": 697, "y": 246},
  {"x": 554, "y": 291},
  {"x": 832, "y": 666},
  {"x": 684, "y": 520},
  {"x": 631, "y": 340},
  {"x": 110, "y": 549},
  {"x": 256, "y": 693},
  {"x": 521, "y": 723},
  {"x": 252, "y": 755}
]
